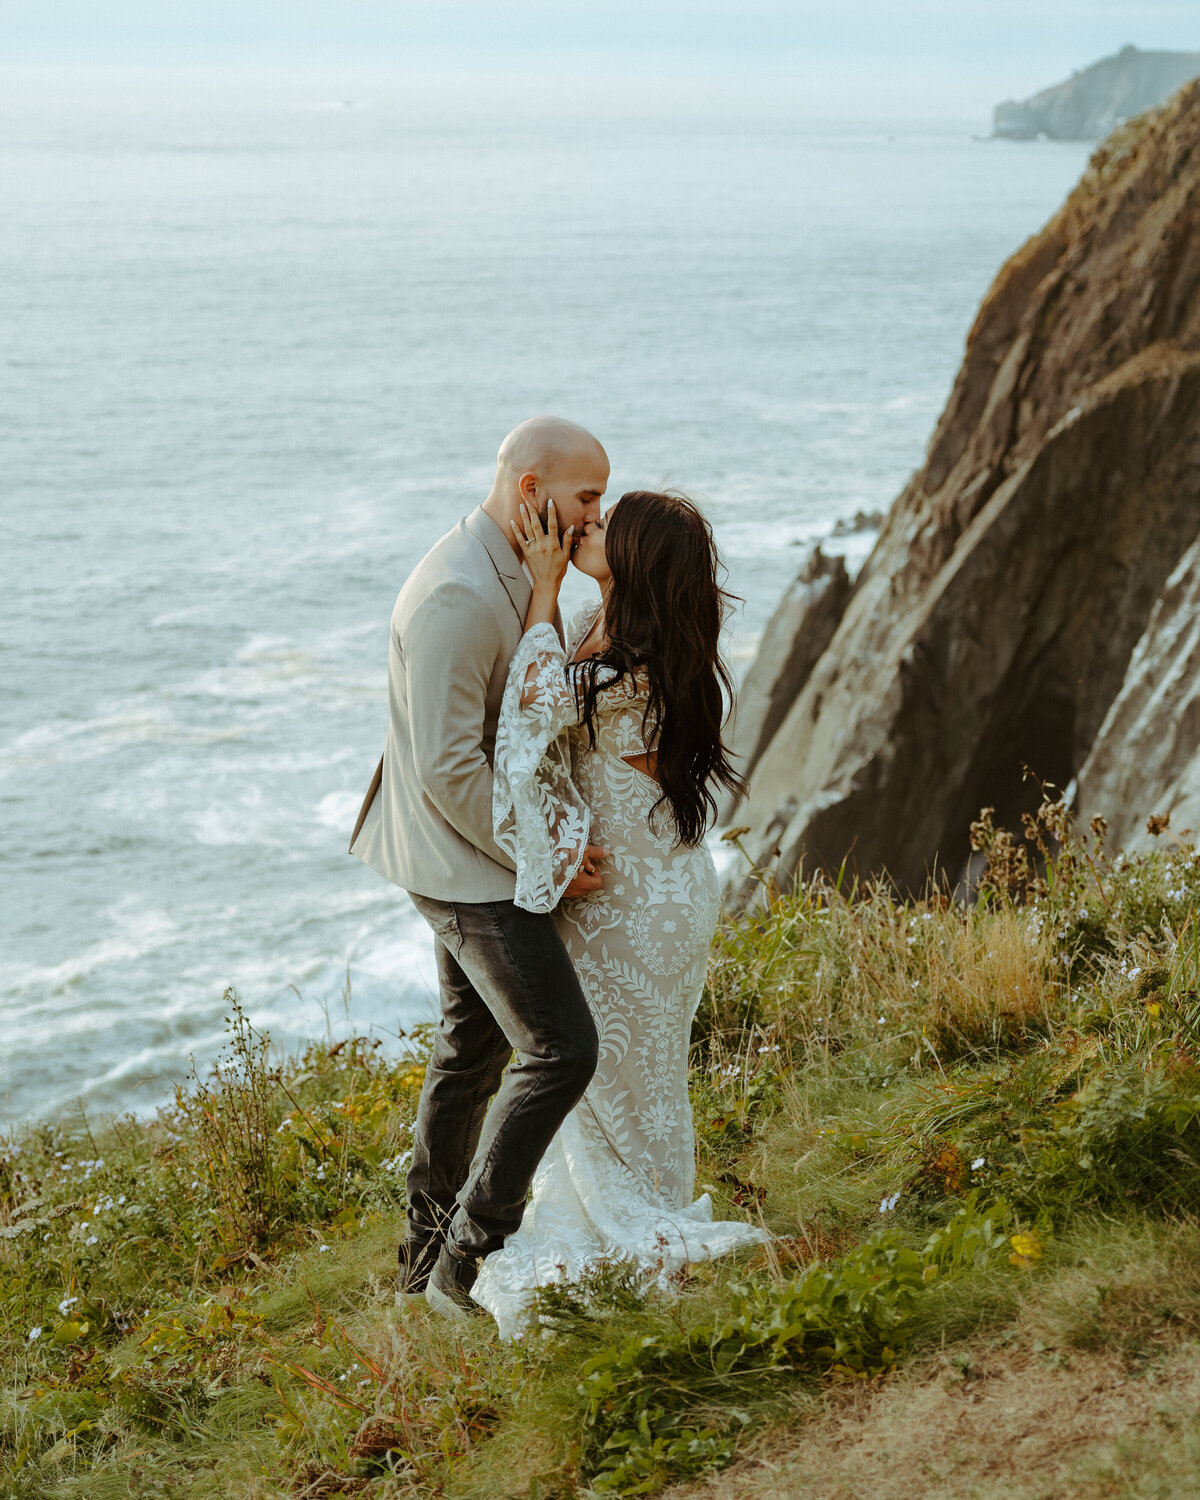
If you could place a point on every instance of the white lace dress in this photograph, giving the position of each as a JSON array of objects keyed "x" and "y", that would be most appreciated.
[{"x": 618, "y": 1177}]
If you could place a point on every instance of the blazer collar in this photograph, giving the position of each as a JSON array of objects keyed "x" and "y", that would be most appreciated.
[
  {"x": 504, "y": 560},
  {"x": 502, "y": 555}
]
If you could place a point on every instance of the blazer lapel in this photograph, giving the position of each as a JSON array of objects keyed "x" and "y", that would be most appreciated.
[{"x": 511, "y": 571}]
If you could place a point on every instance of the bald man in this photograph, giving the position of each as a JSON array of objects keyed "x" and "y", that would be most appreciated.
[{"x": 507, "y": 987}]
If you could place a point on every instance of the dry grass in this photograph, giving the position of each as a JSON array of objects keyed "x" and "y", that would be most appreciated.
[
  {"x": 1013, "y": 1426},
  {"x": 924, "y": 982}
]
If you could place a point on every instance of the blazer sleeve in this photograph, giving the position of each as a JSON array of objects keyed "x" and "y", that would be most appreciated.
[{"x": 449, "y": 650}]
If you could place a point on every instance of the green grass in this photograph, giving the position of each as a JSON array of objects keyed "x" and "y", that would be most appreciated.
[{"x": 974, "y": 1134}]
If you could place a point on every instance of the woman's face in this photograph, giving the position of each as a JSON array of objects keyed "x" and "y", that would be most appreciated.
[{"x": 588, "y": 555}]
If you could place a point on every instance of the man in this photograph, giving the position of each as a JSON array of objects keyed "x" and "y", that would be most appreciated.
[{"x": 507, "y": 985}]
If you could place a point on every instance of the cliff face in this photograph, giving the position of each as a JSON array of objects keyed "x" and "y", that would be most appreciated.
[
  {"x": 1091, "y": 105},
  {"x": 1146, "y": 759},
  {"x": 992, "y": 625},
  {"x": 796, "y": 635}
]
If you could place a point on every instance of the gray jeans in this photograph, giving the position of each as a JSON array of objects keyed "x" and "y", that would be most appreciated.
[{"x": 507, "y": 987}]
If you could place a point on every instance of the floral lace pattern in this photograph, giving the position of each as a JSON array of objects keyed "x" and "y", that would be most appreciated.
[
  {"x": 539, "y": 818},
  {"x": 619, "y": 1176}
]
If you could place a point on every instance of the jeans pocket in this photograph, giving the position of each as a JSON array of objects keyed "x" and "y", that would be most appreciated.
[{"x": 442, "y": 917}]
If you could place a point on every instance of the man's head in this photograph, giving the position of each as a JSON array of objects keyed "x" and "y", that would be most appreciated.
[{"x": 549, "y": 458}]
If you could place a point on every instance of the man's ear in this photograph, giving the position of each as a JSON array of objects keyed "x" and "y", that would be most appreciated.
[{"x": 527, "y": 485}]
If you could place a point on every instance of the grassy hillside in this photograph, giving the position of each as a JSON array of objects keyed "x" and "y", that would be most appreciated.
[{"x": 975, "y": 1133}]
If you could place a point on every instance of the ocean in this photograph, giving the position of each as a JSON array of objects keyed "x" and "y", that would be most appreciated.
[{"x": 260, "y": 344}]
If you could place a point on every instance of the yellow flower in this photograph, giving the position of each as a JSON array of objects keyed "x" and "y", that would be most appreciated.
[
  {"x": 1153, "y": 1007},
  {"x": 1027, "y": 1249}
]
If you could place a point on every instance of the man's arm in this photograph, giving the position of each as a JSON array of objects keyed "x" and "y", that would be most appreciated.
[{"x": 449, "y": 652}]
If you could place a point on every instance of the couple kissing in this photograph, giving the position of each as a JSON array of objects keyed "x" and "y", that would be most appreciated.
[{"x": 543, "y": 798}]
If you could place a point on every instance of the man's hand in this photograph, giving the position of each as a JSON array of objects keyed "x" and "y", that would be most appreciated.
[{"x": 588, "y": 879}]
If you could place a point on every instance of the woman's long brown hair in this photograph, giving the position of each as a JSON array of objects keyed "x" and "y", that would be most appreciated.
[{"x": 665, "y": 612}]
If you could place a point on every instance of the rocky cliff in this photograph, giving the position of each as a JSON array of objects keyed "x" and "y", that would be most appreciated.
[
  {"x": 796, "y": 635},
  {"x": 993, "y": 623},
  {"x": 1093, "y": 103},
  {"x": 1146, "y": 758}
]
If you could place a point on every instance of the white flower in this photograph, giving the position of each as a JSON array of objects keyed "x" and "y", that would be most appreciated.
[
  {"x": 977, "y": 1163},
  {"x": 34, "y": 1333},
  {"x": 882, "y": 1021},
  {"x": 93, "y": 1239},
  {"x": 66, "y": 1302},
  {"x": 887, "y": 1204},
  {"x": 321, "y": 1249}
]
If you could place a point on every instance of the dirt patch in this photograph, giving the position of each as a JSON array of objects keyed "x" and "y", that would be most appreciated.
[{"x": 1020, "y": 1426}]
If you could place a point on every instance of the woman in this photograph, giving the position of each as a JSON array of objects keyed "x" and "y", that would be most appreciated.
[{"x": 617, "y": 742}]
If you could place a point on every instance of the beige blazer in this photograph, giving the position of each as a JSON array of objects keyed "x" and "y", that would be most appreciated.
[{"x": 426, "y": 822}]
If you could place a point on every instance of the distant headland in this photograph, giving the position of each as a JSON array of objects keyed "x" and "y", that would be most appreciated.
[{"x": 1091, "y": 104}]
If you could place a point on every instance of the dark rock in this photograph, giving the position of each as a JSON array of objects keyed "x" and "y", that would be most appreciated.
[
  {"x": 1145, "y": 762},
  {"x": 1093, "y": 103},
  {"x": 859, "y": 522},
  {"x": 796, "y": 635},
  {"x": 993, "y": 623}
]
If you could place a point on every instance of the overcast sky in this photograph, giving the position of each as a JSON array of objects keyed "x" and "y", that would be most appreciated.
[{"x": 919, "y": 57}]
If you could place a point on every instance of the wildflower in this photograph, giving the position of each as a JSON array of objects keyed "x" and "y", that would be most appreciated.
[
  {"x": 34, "y": 1333},
  {"x": 321, "y": 1249},
  {"x": 65, "y": 1303},
  {"x": 1027, "y": 1249},
  {"x": 887, "y": 1204},
  {"x": 882, "y": 1021},
  {"x": 93, "y": 1239},
  {"x": 1153, "y": 1007},
  {"x": 977, "y": 1163}
]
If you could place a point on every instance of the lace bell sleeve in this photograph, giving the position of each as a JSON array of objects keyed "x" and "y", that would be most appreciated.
[{"x": 538, "y": 816}]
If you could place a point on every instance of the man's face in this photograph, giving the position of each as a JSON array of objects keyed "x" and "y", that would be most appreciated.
[{"x": 576, "y": 485}]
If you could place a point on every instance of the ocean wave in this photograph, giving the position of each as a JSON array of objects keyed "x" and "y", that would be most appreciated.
[
  {"x": 339, "y": 809},
  {"x": 140, "y": 934}
]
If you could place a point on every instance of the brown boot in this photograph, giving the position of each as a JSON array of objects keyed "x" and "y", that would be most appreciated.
[
  {"x": 448, "y": 1290},
  {"x": 417, "y": 1257}
]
